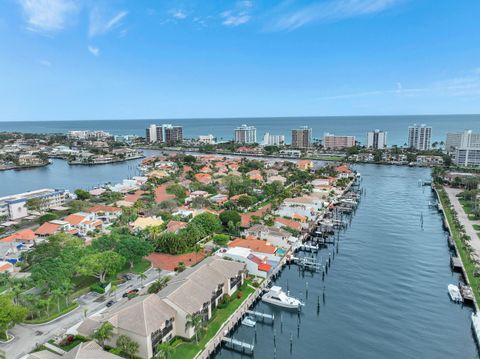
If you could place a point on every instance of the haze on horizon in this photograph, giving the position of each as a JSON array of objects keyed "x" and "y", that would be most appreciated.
[{"x": 80, "y": 60}]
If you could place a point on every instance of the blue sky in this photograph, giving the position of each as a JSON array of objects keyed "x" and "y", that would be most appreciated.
[{"x": 86, "y": 59}]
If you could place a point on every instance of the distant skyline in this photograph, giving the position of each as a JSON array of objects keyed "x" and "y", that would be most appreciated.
[{"x": 89, "y": 60}]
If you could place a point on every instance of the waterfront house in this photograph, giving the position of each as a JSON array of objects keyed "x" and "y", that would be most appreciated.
[
  {"x": 275, "y": 236},
  {"x": 256, "y": 264},
  {"x": 146, "y": 319},
  {"x": 258, "y": 247},
  {"x": 344, "y": 172},
  {"x": 281, "y": 222},
  {"x": 15, "y": 206}
]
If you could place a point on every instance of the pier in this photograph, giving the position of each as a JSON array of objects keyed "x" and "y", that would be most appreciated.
[
  {"x": 262, "y": 316},
  {"x": 237, "y": 345}
]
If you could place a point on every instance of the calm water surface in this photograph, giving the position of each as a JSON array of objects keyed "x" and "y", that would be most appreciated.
[{"x": 386, "y": 291}]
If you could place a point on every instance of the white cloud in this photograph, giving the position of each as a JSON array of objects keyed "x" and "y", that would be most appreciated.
[
  {"x": 178, "y": 14},
  {"x": 236, "y": 20},
  {"x": 100, "y": 24},
  {"x": 331, "y": 10},
  {"x": 95, "y": 51},
  {"x": 47, "y": 15},
  {"x": 467, "y": 85},
  {"x": 239, "y": 15}
]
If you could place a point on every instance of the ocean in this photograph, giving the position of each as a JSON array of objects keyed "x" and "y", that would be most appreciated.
[{"x": 222, "y": 128}]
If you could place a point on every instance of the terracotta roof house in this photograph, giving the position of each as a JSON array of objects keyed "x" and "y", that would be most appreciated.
[
  {"x": 256, "y": 245},
  {"x": 175, "y": 226},
  {"x": 6, "y": 267},
  {"x": 25, "y": 236},
  {"x": 305, "y": 165},
  {"x": 105, "y": 213},
  {"x": 161, "y": 194},
  {"x": 48, "y": 229},
  {"x": 142, "y": 223},
  {"x": 290, "y": 223},
  {"x": 204, "y": 178},
  {"x": 255, "y": 175}
]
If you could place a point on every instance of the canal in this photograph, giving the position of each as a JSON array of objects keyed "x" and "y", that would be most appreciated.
[{"x": 386, "y": 291}]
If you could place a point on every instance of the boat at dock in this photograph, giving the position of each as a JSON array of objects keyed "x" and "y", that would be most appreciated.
[
  {"x": 277, "y": 296},
  {"x": 249, "y": 322},
  {"x": 454, "y": 293}
]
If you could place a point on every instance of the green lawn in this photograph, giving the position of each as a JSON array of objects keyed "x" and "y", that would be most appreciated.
[
  {"x": 138, "y": 267},
  {"x": 476, "y": 227},
  {"x": 187, "y": 350},
  {"x": 462, "y": 248},
  {"x": 53, "y": 314}
]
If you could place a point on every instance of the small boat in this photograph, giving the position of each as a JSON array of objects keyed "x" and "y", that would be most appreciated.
[
  {"x": 454, "y": 293},
  {"x": 278, "y": 297},
  {"x": 249, "y": 322}
]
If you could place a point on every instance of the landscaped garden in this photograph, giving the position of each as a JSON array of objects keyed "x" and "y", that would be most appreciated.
[{"x": 187, "y": 350}]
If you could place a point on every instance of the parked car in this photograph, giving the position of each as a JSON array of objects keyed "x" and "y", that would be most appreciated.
[
  {"x": 126, "y": 277},
  {"x": 110, "y": 303},
  {"x": 130, "y": 292}
]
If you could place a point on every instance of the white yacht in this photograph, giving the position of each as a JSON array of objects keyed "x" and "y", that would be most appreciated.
[
  {"x": 455, "y": 294},
  {"x": 278, "y": 297}
]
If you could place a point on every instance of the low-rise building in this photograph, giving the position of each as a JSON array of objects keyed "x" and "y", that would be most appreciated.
[
  {"x": 256, "y": 264},
  {"x": 275, "y": 236},
  {"x": 16, "y": 206}
]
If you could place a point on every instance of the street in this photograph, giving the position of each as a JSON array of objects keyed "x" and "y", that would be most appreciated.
[{"x": 28, "y": 337}]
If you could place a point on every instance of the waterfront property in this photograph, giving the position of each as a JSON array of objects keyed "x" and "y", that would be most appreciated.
[
  {"x": 17, "y": 206},
  {"x": 156, "y": 318}
]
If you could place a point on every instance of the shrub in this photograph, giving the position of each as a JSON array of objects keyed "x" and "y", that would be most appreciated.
[
  {"x": 221, "y": 239},
  {"x": 96, "y": 287}
]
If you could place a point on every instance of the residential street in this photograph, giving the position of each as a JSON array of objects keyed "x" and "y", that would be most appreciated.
[{"x": 27, "y": 337}]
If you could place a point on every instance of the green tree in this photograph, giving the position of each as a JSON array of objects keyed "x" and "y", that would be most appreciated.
[
  {"x": 10, "y": 314},
  {"x": 133, "y": 249},
  {"x": 100, "y": 265},
  {"x": 221, "y": 239},
  {"x": 51, "y": 273},
  {"x": 165, "y": 350},
  {"x": 47, "y": 218},
  {"x": 35, "y": 204},
  {"x": 82, "y": 195},
  {"x": 230, "y": 216},
  {"x": 194, "y": 321},
  {"x": 209, "y": 222},
  {"x": 127, "y": 345},
  {"x": 103, "y": 333}
]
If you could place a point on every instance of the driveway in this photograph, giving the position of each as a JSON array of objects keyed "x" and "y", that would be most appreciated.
[{"x": 28, "y": 337}]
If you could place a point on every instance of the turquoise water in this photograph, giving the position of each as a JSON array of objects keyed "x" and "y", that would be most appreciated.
[
  {"x": 223, "y": 127},
  {"x": 386, "y": 290}
]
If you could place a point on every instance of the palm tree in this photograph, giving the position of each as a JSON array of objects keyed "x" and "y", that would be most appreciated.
[
  {"x": 142, "y": 277},
  {"x": 103, "y": 333},
  {"x": 194, "y": 321},
  {"x": 165, "y": 350},
  {"x": 58, "y": 294},
  {"x": 128, "y": 345}
]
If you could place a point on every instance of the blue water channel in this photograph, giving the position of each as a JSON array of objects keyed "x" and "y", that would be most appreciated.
[{"x": 386, "y": 290}]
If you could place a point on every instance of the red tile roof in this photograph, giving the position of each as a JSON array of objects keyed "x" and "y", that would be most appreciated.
[
  {"x": 255, "y": 245},
  {"x": 204, "y": 178},
  {"x": 174, "y": 226},
  {"x": 47, "y": 229},
  {"x": 343, "y": 169},
  {"x": 25, "y": 235},
  {"x": 289, "y": 223},
  {"x": 103, "y": 208},
  {"x": 74, "y": 219},
  {"x": 264, "y": 267},
  {"x": 5, "y": 266}
]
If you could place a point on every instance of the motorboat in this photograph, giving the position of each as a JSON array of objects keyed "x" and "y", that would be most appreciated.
[
  {"x": 277, "y": 296},
  {"x": 454, "y": 293},
  {"x": 249, "y": 322}
]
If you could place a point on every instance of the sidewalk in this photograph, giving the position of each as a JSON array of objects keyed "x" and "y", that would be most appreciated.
[{"x": 464, "y": 220}]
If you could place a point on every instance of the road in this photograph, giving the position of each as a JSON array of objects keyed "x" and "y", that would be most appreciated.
[{"x": 28, "y": 337}]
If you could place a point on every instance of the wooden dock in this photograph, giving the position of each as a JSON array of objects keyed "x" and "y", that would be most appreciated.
[
  {"x": 237, "y": 345},
  {"x": 261, "y": 316},
  {"x": 456, "y": 264}
]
